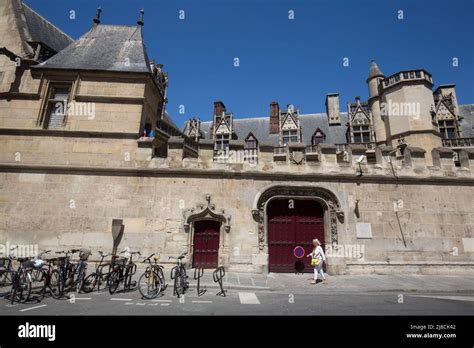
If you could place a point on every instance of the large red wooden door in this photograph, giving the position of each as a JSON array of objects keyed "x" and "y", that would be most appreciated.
[
  {"x": 206, "y": 243},
  {"x": 292, "y": 224}
]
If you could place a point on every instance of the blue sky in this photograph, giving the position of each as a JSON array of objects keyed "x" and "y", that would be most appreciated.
[{"x": 294, "y": 61}]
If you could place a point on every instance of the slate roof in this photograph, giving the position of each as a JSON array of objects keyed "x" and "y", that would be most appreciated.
[
  {"x": 259, "y": 127},
  {"x": 42, "y": 31},
  {"x": 104, "y": 48}
]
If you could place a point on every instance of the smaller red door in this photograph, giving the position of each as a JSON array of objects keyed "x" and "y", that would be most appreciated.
[{"x": 206, "y": 243}]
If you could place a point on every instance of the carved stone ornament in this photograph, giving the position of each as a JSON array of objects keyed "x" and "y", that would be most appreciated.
[
  {"x": 297, "y": 157},
  {"x": 327, "y": 197},
  {"x": 207, "y": 211}
]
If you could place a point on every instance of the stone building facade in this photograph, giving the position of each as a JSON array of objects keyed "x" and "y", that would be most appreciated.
[{"x": 85, "y": 138}]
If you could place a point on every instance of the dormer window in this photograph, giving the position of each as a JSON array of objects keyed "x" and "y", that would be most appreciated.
[
  {"x": 361, "y": 134},
  {"x": 222, "y": 142},
  {"x": 251, "y": 148},
  {"x": 447, "y": 128},
  {"x": 318, "y": 137},
  {"x": 290, "y": 136}
]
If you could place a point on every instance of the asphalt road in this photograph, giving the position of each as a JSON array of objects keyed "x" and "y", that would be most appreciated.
[{"x": 313, "y": 301}]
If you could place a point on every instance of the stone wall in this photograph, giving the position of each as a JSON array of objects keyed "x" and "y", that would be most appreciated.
[{"x": 61, "y": 211}]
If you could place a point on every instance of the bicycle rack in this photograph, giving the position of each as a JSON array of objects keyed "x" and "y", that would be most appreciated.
[
  {"x": 198, "y": 272},
  {"x": 218, "y": 275}
]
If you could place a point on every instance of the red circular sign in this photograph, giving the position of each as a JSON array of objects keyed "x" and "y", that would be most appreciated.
[{"x": 299, "y": 252}]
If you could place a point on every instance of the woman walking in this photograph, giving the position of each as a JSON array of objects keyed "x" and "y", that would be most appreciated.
[{"x": 317, "y": 259}]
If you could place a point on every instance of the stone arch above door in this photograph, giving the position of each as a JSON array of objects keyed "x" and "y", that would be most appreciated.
[
  {"x": 203, "y": 212},
  {"x": 328, "y": 199}
]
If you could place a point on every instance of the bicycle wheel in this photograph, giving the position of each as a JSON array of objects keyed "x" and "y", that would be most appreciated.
[
  {"x": 37, "y": 275},
  {"x": 161, "y": 275},
  {"x": 149, "y": 285},
  {"x": 55, "y": 285},
  {"x": 113, "y": 282},
  {"x": 22, "y": 288},
  {"x": 179, "y": 285},
  {"x": 89, "y": 283},
  {"x": 5, "y": 278}
]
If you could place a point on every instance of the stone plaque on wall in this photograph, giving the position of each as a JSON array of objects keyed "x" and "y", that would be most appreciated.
[{"x": 364, "y": 230}]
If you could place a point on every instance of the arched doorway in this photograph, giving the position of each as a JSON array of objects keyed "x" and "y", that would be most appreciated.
[
  {"x": 206, "y": 243},
  {"x": 332, "y": 216},
  {"x": 292, "y": 223}
]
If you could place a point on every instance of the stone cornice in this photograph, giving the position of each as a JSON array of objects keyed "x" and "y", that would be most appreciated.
[
  {"x": 237, "y": 175},
  {"x": 67, "y": 133}
]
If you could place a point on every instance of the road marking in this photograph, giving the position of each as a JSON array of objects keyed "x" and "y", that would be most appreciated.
[
  {"x": 153, "y": 304},
  {"x": 121, "y": 299},
  {"x": 454, "y": 298},
  {"x": 248, "y": 298},
  {"x": 162, "y": 300},
  {"x": 238, "y": 278},
  {"x": 82, "y": 298},
  {"x": 141, "y": 304},
  {"x": 128, "y": 303},
  {"x": 30, "y": 308},
  {"x": 253, "y": 282},
  {"x": 202, "y": 301},
  {"x": 165, "y": 304}
]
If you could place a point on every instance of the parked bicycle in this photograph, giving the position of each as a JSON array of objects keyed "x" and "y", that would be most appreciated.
[
  {"x": 152, "y": 282},
  {"x": 98, "y": 277},
  {"x": 21, "y": 282},
  {"x": 6, "y": 269},
  {"x": 178, "y": 274},
  {"x": 51, "y": 280},
  {"x": 38, "y": 263},
  {"x": 80, "y": 270},
  {"x": 122, "y": 271}
]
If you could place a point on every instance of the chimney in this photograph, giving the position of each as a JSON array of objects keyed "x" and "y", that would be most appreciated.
[
  {"x": 274, "y": 117},
  {"x": 219, "y": 108},
  {"x": 332, "y": 109}
]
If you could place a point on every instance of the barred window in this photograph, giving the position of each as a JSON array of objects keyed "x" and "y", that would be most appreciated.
[
  {"x": 290, "y": 136},
  {"x": 447, "y": 129},
  {"x": 222, "y": 142},
  {"x": 361, "y": 134},
  {"x": 56, "y": 106}
]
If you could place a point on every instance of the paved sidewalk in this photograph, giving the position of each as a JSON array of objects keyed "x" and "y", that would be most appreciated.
[{"x": 342, "y": 283}]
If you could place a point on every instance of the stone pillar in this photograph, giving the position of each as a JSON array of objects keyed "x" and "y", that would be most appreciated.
[
  {"x": 145, "y": 149},
  {"x": 265, "y": 153},
  {"x": 355, "y": 151},
  {"x": 443, "y": 158},
  {"x": 415, "y": 158},
  {"x": 384, "y": 155},
  {"x": 236, "y": 152},
  {"x": 466, "y": 157},
  {"x": 206, "y": 151},
  {"x": 328, "y": 154},
  {"x": 175, "y": 151}
]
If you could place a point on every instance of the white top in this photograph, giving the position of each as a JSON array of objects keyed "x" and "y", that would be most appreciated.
[{"x": 319, "y": 253}]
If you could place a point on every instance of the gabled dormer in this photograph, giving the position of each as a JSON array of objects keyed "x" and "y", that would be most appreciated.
[
  {"x": 318, "y": 137},
  {"x": 290, "y": 129},
  {"x": 359, "y": 127}
]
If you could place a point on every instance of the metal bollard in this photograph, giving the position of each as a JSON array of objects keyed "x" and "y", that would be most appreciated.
[
  {"x": 218, "y": 275},
  {"x": 198, "y": 273}
]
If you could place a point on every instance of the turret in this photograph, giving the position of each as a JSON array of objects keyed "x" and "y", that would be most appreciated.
[
  {"x": 406, "y": 103},
  {"x": 374, "y": 81}
]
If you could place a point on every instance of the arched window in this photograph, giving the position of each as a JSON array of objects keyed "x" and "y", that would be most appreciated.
[{"x": 318, "y": 137}]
